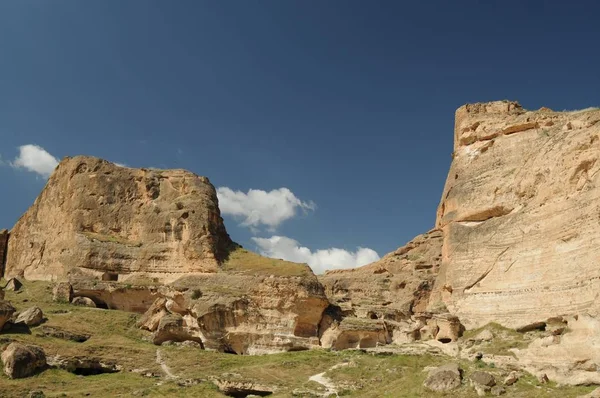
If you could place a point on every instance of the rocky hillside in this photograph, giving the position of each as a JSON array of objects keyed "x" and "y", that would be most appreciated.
[{"x": 153, "y": 240}]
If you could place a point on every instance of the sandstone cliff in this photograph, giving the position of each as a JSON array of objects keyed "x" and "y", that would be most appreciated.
[
  {"x": 3, "y": 247},
  {"x": 94, "y": 217},
  {"x": 520, "y": 215}
]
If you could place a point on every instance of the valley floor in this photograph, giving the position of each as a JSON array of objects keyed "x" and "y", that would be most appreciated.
[{"x": 182, "y": 371}]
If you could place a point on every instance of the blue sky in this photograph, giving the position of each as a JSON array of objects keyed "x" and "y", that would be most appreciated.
[{"x": 348, "y": 105}]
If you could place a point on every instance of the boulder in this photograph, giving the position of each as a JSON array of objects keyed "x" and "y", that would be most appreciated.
[
  {"x": 83, "y": 302},
  {"x": 511, "y": 379},
  {"x": 444, "y": 378},
  {"x": 32, "y": 316},
  {"x": 498, "y": 390},
  {"x": 22, "y": 360},
  {"x": 13, "y": 284},
  {"x": 62, "y": 292},
  {"x": 6, "y": 312},
  {"x": 36, "y": 394},
  {"x": 483, "y": 378}
]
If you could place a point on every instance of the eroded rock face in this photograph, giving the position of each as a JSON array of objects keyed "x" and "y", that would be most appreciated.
[
  {"x": 22, "y": 360},
  {"x": 242, "y": 314},
  {"x": 520, "y": 215},
  {"x": 392, "y": 288},
  {"x": 570, "y": 358},
  {"x": 94, "y": 217},
  {"x": 3, "y": 248}
]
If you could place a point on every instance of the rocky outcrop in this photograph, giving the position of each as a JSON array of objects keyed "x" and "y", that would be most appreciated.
[
  {"x": 388, "y": 299},
  {"x": 238, "y": 313},
  {"x": 121, "y": 238},
  {"x": 3, "y": 248},
  {"x": 6, "y": 312},
  {"x": 83, "y": 302},
  {"x": 48, "y": 331},
  {"x": 22, "y": 360},
  {"x": 572, "y": 357},
  {"x": 97, "y": 218},
  {"x": 62, "y": 292},
  {"x": 520, "y": 215},
  {"x": 83, "y": 366},
  {"x": 392, "y": 288}
]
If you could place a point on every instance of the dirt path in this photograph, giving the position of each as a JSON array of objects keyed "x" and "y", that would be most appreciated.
[
  {"x": 163, "y": 366},
  {"x": 326, "y": 382}
]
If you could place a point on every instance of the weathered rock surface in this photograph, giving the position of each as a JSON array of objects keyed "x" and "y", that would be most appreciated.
[
  {"x": 124, "y": 238},
  {"x": 83, "y": 302},
  {"x": 94, "y": 217},
  {"x": 444, "y": 378},
  {"x": 22, "y": 360},
  {"x": 62, "y": 292},
  {"x": 84, "y": 366},
  {"x": 6, "y": 312},
  {"x": 519, "y": 215},
  {"x": 173, "y": 328},
  {"x": 571, "y": 358},
  {"x": 241, "y": 313},
  {"x": 483, "y": 378},
  {"x": 3, "y": 248},
  {"x": 31, "y": 317},
  {"x": 392, "y": 288},
  {"x": 242, "y": 388},
  {"x": 354, "y": 332},
  {"x": 48, "y": 331}
]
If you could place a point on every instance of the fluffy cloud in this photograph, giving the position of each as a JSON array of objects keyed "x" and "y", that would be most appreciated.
[
  {"x": 320, "y": 260},
  {"x": 259, "y": 207},
  {"x": 35, "y": 159}
]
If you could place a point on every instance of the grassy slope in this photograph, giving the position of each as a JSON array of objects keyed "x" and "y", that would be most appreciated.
[
  {"x": 242, "y": 260},
  {"x": 115, "y": 337}
]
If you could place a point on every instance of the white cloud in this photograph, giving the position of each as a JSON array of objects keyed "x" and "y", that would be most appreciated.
[
  {"x": 259, "y": 207},
  {"x": 35, "y": 159},
  {"x": 320, "y": 260}
]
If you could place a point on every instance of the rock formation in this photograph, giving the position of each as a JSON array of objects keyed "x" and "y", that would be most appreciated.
[
  {"x": 96, "y": 218},
  {"x": 3, "y": 248},
  {"x": 123, "y": 238},
  {"x": 6, "y": 312},
  {"x": 520, "y": 215},
  {"x": 386, "y": 301}
]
